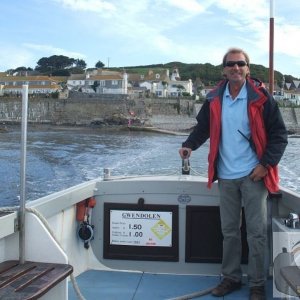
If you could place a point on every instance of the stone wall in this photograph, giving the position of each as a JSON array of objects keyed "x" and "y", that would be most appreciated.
[
  {"x": 61, "y": 111},
  {"x": 85, "y": 110},
  {"x": 291, "y": 118}
]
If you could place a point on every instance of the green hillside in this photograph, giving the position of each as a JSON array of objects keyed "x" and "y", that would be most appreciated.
[{"x": 208, "y": 73}]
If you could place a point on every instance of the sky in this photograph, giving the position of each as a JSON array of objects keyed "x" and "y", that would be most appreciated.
[{"x": 123, "y": 33}]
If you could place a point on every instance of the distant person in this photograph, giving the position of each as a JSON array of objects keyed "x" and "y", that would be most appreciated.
[{"x": 247, "y": 140}]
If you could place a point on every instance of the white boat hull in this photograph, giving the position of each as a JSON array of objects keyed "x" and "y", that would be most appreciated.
[{"x": 184, "y": 192}]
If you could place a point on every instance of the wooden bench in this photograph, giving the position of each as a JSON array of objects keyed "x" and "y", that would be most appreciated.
[{"x": 30, "y": 280}]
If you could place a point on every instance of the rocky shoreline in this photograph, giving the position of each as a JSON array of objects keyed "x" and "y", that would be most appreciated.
[
  {"x": 178, "y": 123},
  {"x": 186, "y": 123},
  {"x": 168, "y": 124}
]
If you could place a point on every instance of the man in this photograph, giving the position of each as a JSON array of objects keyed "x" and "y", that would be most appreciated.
[{"x": 247, "y": 140}]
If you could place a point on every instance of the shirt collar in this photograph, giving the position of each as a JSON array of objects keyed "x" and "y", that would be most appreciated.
[{"x": 242, "y": 94}]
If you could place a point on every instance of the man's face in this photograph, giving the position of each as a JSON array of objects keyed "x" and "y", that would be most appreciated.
[{"x": 236, "y": 68}]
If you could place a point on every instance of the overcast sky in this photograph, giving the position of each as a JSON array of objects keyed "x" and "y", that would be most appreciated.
[{"x": 140, "y": 32}]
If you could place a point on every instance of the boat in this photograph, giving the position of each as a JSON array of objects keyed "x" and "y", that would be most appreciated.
[
  {"x": 134, "y": 237},
  {"x": 137, "y": 237}
]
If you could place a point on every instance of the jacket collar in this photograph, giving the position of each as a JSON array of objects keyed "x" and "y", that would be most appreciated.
[{"x": 253, "y": 88}]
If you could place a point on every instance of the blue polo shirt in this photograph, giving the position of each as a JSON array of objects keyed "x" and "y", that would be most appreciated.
[{"x": 236, "y": 157}]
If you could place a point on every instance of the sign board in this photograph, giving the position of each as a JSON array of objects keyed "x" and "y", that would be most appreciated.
[
  {"x": 147, "y": 232},
  {"x": 141, "y": 228}
]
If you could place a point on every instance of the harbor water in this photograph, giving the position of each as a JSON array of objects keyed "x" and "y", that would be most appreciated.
[{"x": 58, "y": 158}]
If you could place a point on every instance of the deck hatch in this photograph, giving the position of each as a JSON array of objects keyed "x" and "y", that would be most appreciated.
[{"x": 204, "y": 237}]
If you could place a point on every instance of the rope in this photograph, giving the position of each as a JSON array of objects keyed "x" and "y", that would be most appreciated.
[
  {"x": 46, "y": 224},
  {"x": 194, "y": 295}
]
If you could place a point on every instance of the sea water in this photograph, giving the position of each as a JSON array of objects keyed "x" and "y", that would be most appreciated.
[{"x": 58, "y": 158}]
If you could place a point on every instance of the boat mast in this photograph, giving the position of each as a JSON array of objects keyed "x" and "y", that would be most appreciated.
[
  {"x": 23, "y": 175},
  {"x": 271, "y": 50}
]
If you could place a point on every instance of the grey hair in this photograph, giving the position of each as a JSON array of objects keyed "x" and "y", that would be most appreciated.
[{"x": 234, "y": 51}]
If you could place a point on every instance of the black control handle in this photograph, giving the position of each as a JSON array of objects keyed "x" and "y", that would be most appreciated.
[{"x": 185, "y": 163}]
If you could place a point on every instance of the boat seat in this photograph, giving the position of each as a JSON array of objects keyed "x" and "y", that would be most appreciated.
[
  {"x": 291, "y": 274},
  {"x": 30, "y": 280}
]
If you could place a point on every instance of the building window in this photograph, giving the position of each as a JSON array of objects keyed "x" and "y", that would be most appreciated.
[
  {"x": 102, "y": 83},
  {"x": 114, "y": 82}
]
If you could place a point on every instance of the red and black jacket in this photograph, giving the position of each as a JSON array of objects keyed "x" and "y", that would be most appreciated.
[{"x": 268, "y": 132}]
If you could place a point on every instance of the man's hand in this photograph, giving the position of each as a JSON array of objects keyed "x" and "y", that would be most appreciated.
[
  {"x": 258, "y": 173},
  {"x": 185, "y": 152}
]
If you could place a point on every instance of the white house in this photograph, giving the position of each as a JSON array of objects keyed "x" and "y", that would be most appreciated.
[
  {"x": 292, "y": 92},
  {"x": 101, "y": 82},
  {"x": 76, "y": 81},
  {"x": 161, "y": 84}
]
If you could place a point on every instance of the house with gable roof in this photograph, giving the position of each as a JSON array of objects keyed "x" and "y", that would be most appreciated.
[
  {"x": 292, "y": 92},
  {"x": 12, "y": 85},
  {"x": 178, "y": 86},
  {"x": 156, "y": 82},
  {"x": 160, "y": 83},
  {"x": 100, "y": 82}
]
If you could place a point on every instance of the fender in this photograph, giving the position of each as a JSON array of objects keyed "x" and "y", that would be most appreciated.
[
  {"x": 82, "y": 208},
  {"x": 85, "y": 230}
]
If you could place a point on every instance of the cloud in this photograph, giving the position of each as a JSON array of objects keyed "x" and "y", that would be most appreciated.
[
  {"x": 245, "y": 10},
  {"x": 13, "y": 57},
  {"x": 155, "y": 31},
  {"x": 53, "y": 50},
  {"x": 87, "y": 5},
  {"x": 286, "y": 38},
  {"x": 191, "y": 6}
]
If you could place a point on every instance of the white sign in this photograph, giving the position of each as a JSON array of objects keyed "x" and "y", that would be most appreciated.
[{"x": 141, "y": 228}]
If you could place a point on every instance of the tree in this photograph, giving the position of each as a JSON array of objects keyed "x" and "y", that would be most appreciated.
[
  {"x": 95, "y": 85},
  {"x": 60, "y": 64},
  {"x": 18, "y": 70},
  {"x": 99, "y": 64},
  {"x": 61, "y": 73},
  {"x": 80, "y": 63},
  {"x": 54, "y": 63},
  {"x": 23, "y": 69}
]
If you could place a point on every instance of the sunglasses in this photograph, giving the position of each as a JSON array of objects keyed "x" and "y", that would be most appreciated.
[{"x": 240, "y": 63}]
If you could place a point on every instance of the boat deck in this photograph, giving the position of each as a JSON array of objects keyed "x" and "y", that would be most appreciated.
[{"x": 113, "y": 285}]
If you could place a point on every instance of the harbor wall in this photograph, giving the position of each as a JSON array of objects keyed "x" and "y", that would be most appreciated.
[
  {"x": 80, "y": 110},
  {"x": 85, "y": 110}
]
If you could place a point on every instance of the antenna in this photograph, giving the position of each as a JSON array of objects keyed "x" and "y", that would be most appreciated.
[{"x": 271, "y": 50}]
